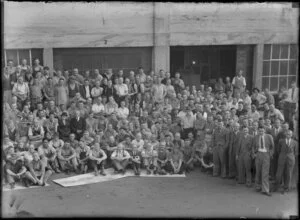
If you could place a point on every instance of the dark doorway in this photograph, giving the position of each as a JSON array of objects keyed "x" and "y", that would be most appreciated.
[{"x": 203, "y": 64}]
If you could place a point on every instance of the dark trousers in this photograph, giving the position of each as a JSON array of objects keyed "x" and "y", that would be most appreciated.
[{"x": 285, "y": 169}]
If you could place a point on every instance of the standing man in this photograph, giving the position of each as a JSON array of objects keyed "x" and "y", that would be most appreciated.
[
  {"x": 239, "y": 83},
  {"x": 274, "y": 131},
  {"x": 121, "y": 91},
  {"x": 288, "y": 151},
  {"x": 220, "y": 145},
  {"x": 263, "y": 149},
  {"x": 243, "y": 156},
  {"x": 233, "y": 144},
  {"x": 291, "y": 101}
]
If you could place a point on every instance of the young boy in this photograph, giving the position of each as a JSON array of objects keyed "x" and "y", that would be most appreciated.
[
  {"x": 162, "y": 159},
  {"x": 83, "y": 153},
  {"x": 150, "y": 159},
  {"x": 135, "y": 159},
  {"x": 176, "y": 160}
]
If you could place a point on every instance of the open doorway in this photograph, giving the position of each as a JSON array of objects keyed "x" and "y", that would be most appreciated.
[{"x": 203, "y": 64}]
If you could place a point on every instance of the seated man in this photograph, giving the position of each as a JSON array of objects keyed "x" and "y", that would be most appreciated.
[
  {"x": 149, "y": 158},
  {"x": 188, "y": 156},
  {"x": 48, "y": 154},
  {"x": 36, "y": 133},
  {"x": 162, "y": 159},
  {"x": 82, "y": 154},
  {"x": 16, "y": 170},
  {"x": 97, "y": 157},
  {"x": 176, "y": 160},
  {"x": 120, "y": 158},
  {"x": 39, "y": 170},
  {"x": 135, "y": 159},
  {"x": 86, "y": 138},
  {"x": 67, "y": 158}
]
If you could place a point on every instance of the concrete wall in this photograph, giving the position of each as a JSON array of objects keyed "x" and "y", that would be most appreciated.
[{"x": 105, "y": 24}]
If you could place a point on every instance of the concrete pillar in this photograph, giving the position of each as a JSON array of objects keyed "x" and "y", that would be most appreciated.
[
  {"x": 48, "y": 58},
  {"x": 258, "y": 65},
  {"x": 161, "y": 37}
]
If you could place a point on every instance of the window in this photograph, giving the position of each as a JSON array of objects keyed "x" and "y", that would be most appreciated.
[
  {"x": 16, "y": 55},
  {"x": 280, "y": 66}
]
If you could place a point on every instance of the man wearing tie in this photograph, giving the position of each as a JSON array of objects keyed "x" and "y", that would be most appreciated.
[
  {"x": 243, "y": 156},
  {"x": 263, "y": 148},
  {"x": 77, "y": 125},
  {"x": 86, "y": 89},
  {"x": 274, "y": 132},
  {"x": 288, "y": 151}
]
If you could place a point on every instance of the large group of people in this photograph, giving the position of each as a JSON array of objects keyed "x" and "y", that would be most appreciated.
[{"x": 71, "y": 121}]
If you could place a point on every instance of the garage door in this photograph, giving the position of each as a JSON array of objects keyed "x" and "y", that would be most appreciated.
[{"x": 103, "y": 58}]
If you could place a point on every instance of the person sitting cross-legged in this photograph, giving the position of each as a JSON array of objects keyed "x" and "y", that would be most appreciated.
[
  {"x": 49, "y": 155},
  {"x": 97, "y": 157},
  {"x": 149, "y": 158},
  {"x": 67, "y": 158},
  {"x": 135, "y": 159},
  {"x": 16, "y": 170},
  {"x": 39, "y": 170},
  {"x": 120, "y": 158},
  {"x": 83, "y": 156},
  {"x": 176, "y": 159}
]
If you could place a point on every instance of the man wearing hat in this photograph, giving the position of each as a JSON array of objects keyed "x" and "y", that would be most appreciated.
[{"x": 16, "y": 170}]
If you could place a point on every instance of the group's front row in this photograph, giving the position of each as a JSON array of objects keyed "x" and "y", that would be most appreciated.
[{"x": 34, "y": 167}]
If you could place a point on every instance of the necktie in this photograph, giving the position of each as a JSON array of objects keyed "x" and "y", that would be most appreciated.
[
  {"x": 293, "y": 92},
  {"x": 261, "y": 142}
]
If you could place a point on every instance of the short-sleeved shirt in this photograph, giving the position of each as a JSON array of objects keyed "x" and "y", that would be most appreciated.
[
  {"x": 16, "y": 168},
  {"x": 47, "y": 152}
]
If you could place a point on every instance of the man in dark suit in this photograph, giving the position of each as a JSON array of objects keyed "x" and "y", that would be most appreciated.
[
  {"x": 77, "y": 125},
  {"x": 234, "y": 135},
  {"x": 85, "y": 90},
  {"x": 288, "y": 151},
  {"x": 274, "y": 131},
  {"x": 263, "y": 149}
]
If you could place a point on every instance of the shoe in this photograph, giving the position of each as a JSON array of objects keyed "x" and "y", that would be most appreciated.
[
  {"x": 25, "y": 183},
  {"x": 44, "y": 184},
  {"x": 267, "y": 194},
  {"x": 12, "y": 185},
  {"x": 155, "y": 172},
  {"x": 148, "y": 172},
  {"x": 96, "y": 173},
  {"x": 257, "y": 189},
  {"x": 57, "y": 171},
  {"x": 123, "y": 172},
  {"x": 116, "y": 172},
  {"x": 103, "y": 173},
  {"x": 67, "y": 172},
  {"x": 248, "y": 185}
]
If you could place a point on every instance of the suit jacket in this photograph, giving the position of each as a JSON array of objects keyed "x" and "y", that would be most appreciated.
[
  {"x": 83, "y": 92},
  {"x": 220, "y": 138},
  {"x": 63, "y": 129},
  {"x": 269, "y": 143},
  {"x": 245, "y": 145},
  {"x": 234, "y": 141},
  {"x": 77, "y": 125},
  {"x": 284, "y": 149}
]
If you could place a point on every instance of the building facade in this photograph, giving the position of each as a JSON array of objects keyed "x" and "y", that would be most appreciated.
[{"x": 202, "y": 41}]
